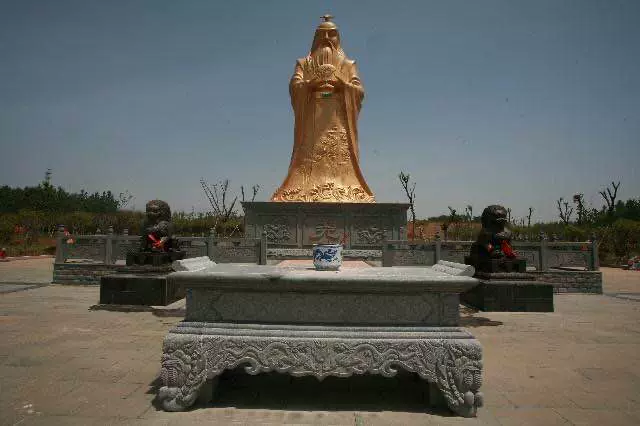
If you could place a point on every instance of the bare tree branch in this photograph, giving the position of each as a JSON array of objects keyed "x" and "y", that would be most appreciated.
[
  {"x": 454, "y": 219},
  {"x": 210, "y": 196},
  {"x": 469, "y": 214},
  {"x": 224, "y": 187},
  {"x": 410, "y": 191},
  {"x": 609, "y": 197},
  {"x": 124, "y": 198},
  {"x": 229, "y": 211},
  {"x": 565, "y": 215},
  {"x": 218, "y": 195},
  {"x": 254, "y": 189}
]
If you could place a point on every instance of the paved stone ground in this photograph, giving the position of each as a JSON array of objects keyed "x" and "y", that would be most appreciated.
[
  {"x": 9, "y": 288},
  {"x": 61, "y": 364},
  {"x": 27, "y": 271}
]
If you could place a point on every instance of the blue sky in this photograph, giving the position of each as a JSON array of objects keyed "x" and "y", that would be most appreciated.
[{"x": 482, "y": 102}]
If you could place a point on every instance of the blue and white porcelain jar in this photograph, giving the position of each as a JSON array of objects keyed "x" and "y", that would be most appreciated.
[{"x": 327, "y": 257}]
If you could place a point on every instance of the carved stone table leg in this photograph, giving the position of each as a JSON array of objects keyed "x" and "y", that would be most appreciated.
[
  {"x": 184, "y": 371},
  {"x": 448, "y": 357}
]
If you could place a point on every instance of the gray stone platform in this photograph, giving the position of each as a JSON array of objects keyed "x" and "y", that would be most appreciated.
[
  {"x": 62, "y": 364},
  {"x": 301, "y": 321},
  {"x": 295, "y": 294}
]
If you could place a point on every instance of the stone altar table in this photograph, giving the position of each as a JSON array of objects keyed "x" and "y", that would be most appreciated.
[{"x": 300, "y": 321}]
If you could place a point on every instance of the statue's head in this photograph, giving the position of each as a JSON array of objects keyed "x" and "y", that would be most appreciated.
[
  {"x": 494, "y": 218},
  {"x": 327, "y": 36},
  {"x": 158, "y": 210}
]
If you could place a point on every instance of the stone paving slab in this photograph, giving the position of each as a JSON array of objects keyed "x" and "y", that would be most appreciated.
[
  {"x": 32, "y": 271},
  {"x": 620, "y": 281},
  {"x": 11, "y": 287},
  {"x": 62, "y": 364}
]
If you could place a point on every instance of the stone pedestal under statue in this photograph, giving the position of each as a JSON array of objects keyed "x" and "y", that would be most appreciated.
[
  {"x": 137, "y": 289},
  {"x": 303, "y": 224},
  {"x": 509, "y": 292},
  {"x": 143, "y": 282},
  {"x": 504, "y": 284}
]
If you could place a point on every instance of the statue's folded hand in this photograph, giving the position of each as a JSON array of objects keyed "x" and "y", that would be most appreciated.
[
  {"x": 314, "y": 83},
  {"x": 339, "y": 81}
]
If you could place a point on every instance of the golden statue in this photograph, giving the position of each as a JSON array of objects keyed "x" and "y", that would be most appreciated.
[{"x": 326, "y": 95}]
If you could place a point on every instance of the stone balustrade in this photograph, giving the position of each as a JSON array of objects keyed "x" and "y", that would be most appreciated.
[
  {"x": 111, "y": 248},
  {"x": 541, "y": 255}
]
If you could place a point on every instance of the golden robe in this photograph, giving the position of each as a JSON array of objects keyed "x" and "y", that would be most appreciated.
[{"x": 325, "y": 161}]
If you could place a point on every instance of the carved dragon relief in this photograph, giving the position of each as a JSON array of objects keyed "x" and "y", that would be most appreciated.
[
  {"x": 371, "y": 235},
  {"x": 277, "y": 232},
  {"x": 455, "y": 366}
]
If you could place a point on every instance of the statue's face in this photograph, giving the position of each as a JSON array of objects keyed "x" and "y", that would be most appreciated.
[
  {"x": 158, "y": 210},
  {"x": 494, "y": 218},
  {"x": 500, "y": 215},
  {"x": 153, "y": 212},
  {"x": 326, "y": 38}
]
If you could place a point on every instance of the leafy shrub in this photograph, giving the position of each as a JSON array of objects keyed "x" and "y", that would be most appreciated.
[{"x": 619, "y": 241}]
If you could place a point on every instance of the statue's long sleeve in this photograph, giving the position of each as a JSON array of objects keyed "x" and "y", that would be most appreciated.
[
  {"x": 298, "y": 92},
  {"x": 356, "y": 85},
  {"x": 353, "y": 97},
  {"x": 297, "y": 84}
]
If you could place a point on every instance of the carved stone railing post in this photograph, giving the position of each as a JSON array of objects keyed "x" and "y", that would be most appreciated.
[
  {"x": 60, "y": 244},
  {"x": 544, "y": 254},
  {"x": 387, "y": 254},
  {"x": 118, "y": 240},
  {"x": 108, "y": 249},
  {"x": 263, "y": 249},
  {"x": 438, "y": 251},
  {"x": 594, "y": 260},
  {"x": 211, "y": 240}
]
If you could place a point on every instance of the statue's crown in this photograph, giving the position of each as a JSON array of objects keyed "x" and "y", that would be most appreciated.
[{"x": 327, "y": 24}]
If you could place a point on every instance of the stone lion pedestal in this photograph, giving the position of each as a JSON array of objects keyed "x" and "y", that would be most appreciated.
[{"x": 303, "y": 322}]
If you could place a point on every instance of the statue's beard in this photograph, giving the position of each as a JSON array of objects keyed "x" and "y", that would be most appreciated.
[{"x": 326, "y": 53}]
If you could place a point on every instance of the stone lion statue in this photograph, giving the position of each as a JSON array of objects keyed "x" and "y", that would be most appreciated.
[
  {"x": 157, "y": 229},
  {"x": 492, "y": 249},
  {"x": 494, "y": 239}
]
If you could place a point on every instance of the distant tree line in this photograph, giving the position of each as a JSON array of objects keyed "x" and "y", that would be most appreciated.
[
  {"x": 47, "y": 198},
  {"x": 30, "y": 216}
]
